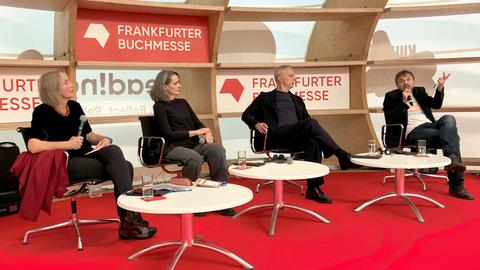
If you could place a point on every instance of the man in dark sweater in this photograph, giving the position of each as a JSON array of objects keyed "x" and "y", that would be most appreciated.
[
  {"x": 412, "y": 107},
  {"x": 285, "y": 118}
]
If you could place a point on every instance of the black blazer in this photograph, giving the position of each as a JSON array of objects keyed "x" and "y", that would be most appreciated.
[
  {"x": 264, "y": 109},
  {"x": 396, "y": 111}
]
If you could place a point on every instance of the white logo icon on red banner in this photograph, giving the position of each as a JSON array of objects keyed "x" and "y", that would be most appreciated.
[{"x": 99, "y": 32}]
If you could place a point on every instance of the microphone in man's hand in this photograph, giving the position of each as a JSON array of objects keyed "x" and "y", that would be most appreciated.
[
  {"x": 83, "y": 119},
  {"x": 410, "y": 101}
]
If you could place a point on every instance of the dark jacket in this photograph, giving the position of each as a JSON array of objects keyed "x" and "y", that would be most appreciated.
[
  {"x": 42, "y": 176},
  {"x": 264, "y": 109},
  {"x": 396, "y": 111}
]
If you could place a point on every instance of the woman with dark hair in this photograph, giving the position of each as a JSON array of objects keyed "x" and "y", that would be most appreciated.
[
  {"x": 182, "y": 129},
  {"x": 55, "y": 125}
]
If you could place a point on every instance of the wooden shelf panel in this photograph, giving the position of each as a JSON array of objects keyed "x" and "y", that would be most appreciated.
[
  {"x": 130, "y": 119},
  {"x": 430, "y": 11},
  {"x": 294, "y": 64},
  {"x": 311, "y": 112},
  {"x": 52, "y": 5},
  {"x": 444, "y": 109},
  {"x": 420, "y": 62},
  {"x": 138, "y": 65},
  {"x": 297, "y": 14},
  {"x": 14, "y": 125},
  {"x": 471, "y": 161},
  {"x": 33, "y": 63},
  {"x": 151, "y": 7},
  {"x": 337, "y": 112},
  {"x": 99, "y": 120}
]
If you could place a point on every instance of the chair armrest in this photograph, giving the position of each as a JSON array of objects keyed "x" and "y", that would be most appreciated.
[
  {"x": 384, "y": 133},
  {"x": 151, "y": 148},
  {"x": 252, "y": 142}
]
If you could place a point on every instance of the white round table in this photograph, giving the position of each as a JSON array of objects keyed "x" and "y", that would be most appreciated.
[
  {"x": 185, "y": 203},
  {"x": 279, "y": 172},
  {"x": 400, "y": 162}
]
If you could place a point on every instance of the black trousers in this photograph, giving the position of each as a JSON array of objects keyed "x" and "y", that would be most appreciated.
[
  {"x": 107, "y": 163},
  {"x": 306, "y": 135}
]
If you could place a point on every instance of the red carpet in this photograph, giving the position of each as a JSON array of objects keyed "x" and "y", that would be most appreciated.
[{"x": 385, "y": 235}]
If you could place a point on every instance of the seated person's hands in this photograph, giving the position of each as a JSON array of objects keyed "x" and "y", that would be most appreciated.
[
  {"x": 209, "y": 138},
  {"x": 75, "y": 142},
  {"x": 103, "y": 143},
  {"x": 261, "y": 127}
]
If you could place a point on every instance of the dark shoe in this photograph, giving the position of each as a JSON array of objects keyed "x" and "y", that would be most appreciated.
[
  {"x": 456, "y": 165},
  {"x": 229, "y": 212},
  {"x": 461, "y": 193},
  {"x": 200, "y": 214},
  {"x": 316, "y": 194},
  {"x": 346, "y": 163},
  {"x": 132, "y": 226}
]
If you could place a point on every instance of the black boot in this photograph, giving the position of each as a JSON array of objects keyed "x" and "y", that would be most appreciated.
[
  {"x": 456, "y": 164},
  {"x": 345, "y": 162},
  {"x": 460, "y": 192},
  {"x": 316, "y": 194},
  {"x": 132, "y": 226}
]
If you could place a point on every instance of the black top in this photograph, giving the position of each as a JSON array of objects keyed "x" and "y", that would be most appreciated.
[
  {"x": 175, "y": 118},
  {"x": 285, "y": 109},
  {"x": 49, "y": 125},
  {"x": 396, "y": 111}
]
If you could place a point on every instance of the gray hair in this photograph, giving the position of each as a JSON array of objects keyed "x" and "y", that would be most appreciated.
[
  {"x": 158, "y": 92},
  {"x": 48, "y": 88},
  {"x": 279, "y": 72}
]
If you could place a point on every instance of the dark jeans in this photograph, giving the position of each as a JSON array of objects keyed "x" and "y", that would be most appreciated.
[
  {"x": 213, "y": 154},
  {"x": 443, "y": 134},
  {"x": 306, "y": 135},
  {"x": 107, "y": 163}
]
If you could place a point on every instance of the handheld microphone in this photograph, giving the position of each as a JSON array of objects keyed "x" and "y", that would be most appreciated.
[
  {"x": 410, "y": 101},
  {"x": 83, "y": 119}
]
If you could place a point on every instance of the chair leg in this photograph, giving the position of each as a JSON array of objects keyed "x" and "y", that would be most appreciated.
[
  {"x": 302, "y": 190},
  {"x": 435, "y": 176},
  {"x": 293, "y": 183},
  {"x": 393, "y": 176},
  {"x": 257, "y": 189},
  {"x": 420, "y": 178},
  {"x": 74, "y": 221}
]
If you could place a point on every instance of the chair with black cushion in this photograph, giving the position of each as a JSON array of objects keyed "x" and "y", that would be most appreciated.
[
  {"x": 151, "y": 148},
  {"x": 417, "y": 173},
  {"x": 258, "y": 144},
  {"x": 79, "y": 179}
]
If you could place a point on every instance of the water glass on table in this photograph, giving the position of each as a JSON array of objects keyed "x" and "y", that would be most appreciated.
[
  {"x": 422, "y": 147},
  {"x": 372, "y": 150},
  {"x": 147, "y": 187},
  {"x": 242, "y": 158}
]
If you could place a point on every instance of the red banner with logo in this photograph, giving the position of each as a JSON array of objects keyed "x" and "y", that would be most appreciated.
[{"x": 135, "y": 37}]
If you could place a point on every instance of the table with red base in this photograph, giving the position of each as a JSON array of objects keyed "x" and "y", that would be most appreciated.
[{"x": 200, "y": 199}]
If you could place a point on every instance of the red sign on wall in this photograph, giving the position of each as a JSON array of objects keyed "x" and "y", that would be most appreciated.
[{"x": 134, "y": 37}]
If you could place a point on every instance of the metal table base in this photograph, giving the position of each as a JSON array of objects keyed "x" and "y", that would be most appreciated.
[
  {"x": 400, "y": 193},
  {"x": 278, "y": 203}
]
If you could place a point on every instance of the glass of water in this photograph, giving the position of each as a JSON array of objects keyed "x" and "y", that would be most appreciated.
[
  {"x": 242, "y": 158},
  {"x": 372, "y": 150},
  {"x": 147, "y": 186},
  {"x": 422, "y": 147}
]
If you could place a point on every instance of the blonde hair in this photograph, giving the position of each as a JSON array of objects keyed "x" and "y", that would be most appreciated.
[
  {"x": 279, "y": 72},
  {"x": 48, "y": 85},
  {"x": 158, "y": 92}
]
